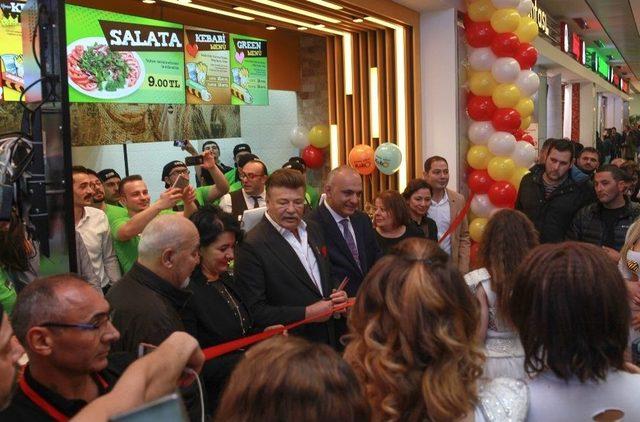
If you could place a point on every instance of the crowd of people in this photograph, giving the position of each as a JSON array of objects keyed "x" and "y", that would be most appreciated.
[{"x": 403, "y": 323}]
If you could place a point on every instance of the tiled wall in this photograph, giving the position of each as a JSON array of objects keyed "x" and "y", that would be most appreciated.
[{"x": 265, "y": 128}]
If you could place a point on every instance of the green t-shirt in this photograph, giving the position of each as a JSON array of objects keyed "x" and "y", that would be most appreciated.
[
  {"x": 7, "y": 294},
  {"x": 312, "y": 196},
  {"x": 127, "y": 252},
  {"x": 231, "y": 175},
  {"x": 113, "y": 212}
]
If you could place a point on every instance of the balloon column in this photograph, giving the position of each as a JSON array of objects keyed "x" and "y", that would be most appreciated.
[
  {"x": 312, "y": 143},
  {"x": 499, "y": 104}
]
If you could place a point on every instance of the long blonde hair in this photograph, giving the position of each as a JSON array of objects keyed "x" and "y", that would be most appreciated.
[
  {"x": 633, "y": 235},
  {"x": 412, "y": 337}
]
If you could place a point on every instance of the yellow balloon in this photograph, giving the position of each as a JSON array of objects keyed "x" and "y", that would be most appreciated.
[
  {"x": 319, "y": 136},
  {"x": 501, "y": 168},
  {"x": 505, "y": 20},
  {"x": 526, "y": 121},
  {"x": 518, "y": 174},
  {"x": 527, "y": 29},
  {"x": 506, "y": 96},
  {"x": 478, "y": 157},
  {"x": 476, "y": 228},
  {"x": 482, "y": 83},
  {"x": 481, "y": 10},
  {"x": 525, "y": 107}
]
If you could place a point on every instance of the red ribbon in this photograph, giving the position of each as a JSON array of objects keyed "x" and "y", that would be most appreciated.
[
  {"x": 458, "y": 220},
  {"x": 224, "y": 348}
]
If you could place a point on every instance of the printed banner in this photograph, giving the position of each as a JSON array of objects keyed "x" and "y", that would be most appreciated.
[
  {"x": 206, "y": 66},
  {"x": 117, "y": 58},
  {"x": 249, "y": 78},
  {"x": 12, "y": 73}
]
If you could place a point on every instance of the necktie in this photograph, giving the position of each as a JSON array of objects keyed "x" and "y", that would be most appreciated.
[
  {"x": 351, "y": 243},
  {"x": 256, "y": 204}
]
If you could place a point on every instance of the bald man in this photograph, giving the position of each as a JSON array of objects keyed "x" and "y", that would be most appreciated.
[
  {"x": 64, "y": 326},
  {"x": 351, "y": 240},
  {"x": 147, "y": 301}
]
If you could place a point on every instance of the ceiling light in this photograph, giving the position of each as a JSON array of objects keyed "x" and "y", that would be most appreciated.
[
  {"x": 149, "y": 1},
  {"x": 210, "y": 9},
  {"x": 319, "y": 26},
  {"x": 270, "y": 28},
  {"x": 358, "y": 20},
  {"x": 326, "y": 4},
  {"x": 297, "y": 10},
  {"x": 302, "y": 28}
]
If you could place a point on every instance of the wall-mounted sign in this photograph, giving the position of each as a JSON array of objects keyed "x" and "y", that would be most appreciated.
[
  {"x": 540, "y": 16},
  {"x": 112, "y": 57},
  {"x": 249, "y": 76},
  {"x": 603, "y": 67},
  {"x": 11, "y": 61},
  {"x": 207, "y": 66}
]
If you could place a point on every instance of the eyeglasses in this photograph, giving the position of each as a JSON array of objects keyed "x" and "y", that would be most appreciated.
[
  {"x": 89, "y": 326},
  {"x": 249, "y": 176},
  {"x": 184, "y": 172}
]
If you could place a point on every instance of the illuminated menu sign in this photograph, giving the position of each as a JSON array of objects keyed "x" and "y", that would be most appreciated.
[{"x": 603, "y": 67}]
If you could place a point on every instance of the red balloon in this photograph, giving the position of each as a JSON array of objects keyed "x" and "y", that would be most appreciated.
[
  {"x": 481, "y": 108},
  {"x": 313, "y": 157},
  {"x": 473, "y": 255},
  {"x": 479, "y": 34},
  {"x": 526, "y": 55},
  {"x": 503, "y": 194},
  {"x": 505, "y": 45},
  {"x": 528, "y": 138},
  {"x": 479, "y": 181},
  {"x": 519, "y": 134},
  {"x": 466, "y": 20},
  {"x": 506, "y": 120}
]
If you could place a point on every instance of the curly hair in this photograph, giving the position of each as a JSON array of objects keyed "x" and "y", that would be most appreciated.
[
  {"x": 506, "y": 241},
  {"x": 411, "y": 336}
]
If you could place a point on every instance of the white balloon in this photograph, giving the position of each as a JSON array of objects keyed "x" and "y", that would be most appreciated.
[
  {"x": 502, "y": 143},
  {"x": 524, "y": 154},
  {"x": 525, "y": 7},
  {"x": 505, "y": 70},
  {"x": 482, "y": 206},
  {"x": 528, "y": 82},
  {"x": 299, "y": 137},
  {"x": 505, "y": 4},
  {"x": 482, "y": 59},
  {"x": 479, "y": 132}
]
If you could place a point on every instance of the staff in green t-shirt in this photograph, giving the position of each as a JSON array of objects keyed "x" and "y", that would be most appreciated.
[
  {"x": 311, "y": 196},
  {"x": 232, "y": 176},
  {"x": 99, "y": 198},
  {"x": 140, "y": 211}
]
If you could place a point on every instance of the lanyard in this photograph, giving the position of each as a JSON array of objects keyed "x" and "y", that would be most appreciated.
[{"x": 44, "y": 405}]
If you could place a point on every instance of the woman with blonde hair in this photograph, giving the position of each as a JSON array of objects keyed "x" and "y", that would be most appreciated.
[
  {"x": 412, "y": 342},
  {"x": 506, "y": 241},
  {"x": 629, "y": 266}
]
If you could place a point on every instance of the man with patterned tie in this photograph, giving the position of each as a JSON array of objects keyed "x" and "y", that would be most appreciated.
[
  {"x": 350, "y": 237},
  {"x": 253, "y": 176}
]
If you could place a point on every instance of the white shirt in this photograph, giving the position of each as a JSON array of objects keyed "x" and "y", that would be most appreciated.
[
  {"x": 338, "y": 219},
  {"x": 440, "y": 212},
  {"x": 225, "y": 201},
  {"x": 93, "y": 228},
  {"x": 302, "y": 249}
]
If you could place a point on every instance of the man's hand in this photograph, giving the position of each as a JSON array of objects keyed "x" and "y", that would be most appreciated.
[
  {"x": 189, "y": 195},
  {"x": 337, "y": 298},
  {"x": 612, "y": 253},
  {"x": 319, "y": 308},
  {"x": 189, "y": 148},
  {"x": 276, "y": 327},
  {"x": 208, "y": 160},
  {"x": 169, "y": 198},
  {"x": 195, "y": 363}
]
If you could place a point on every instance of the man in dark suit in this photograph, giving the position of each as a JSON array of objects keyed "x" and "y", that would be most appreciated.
[
  {"x": 351, "y": 239},
  {"x": 282, "y": 269}
]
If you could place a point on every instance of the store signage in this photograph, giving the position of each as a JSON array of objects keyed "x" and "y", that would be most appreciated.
[
  {"x": 249, "y": 76},
  {"x": 603, "y": 67},
  {"x": 112, "y": 57},
  {"x": 207, "y": 70},
  {"x": 11, "y": 60},
  {"x": 540, "y": 16}
]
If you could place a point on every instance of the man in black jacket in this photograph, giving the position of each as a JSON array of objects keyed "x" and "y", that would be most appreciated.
[
  {"x": 550, "y": 197},
  {"x": 282, "y": 268},
  {"x": 605, "y": 223},
  {"x": 351, "y": 239}
]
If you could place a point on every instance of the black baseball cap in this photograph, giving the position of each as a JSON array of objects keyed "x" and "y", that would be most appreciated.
[
  {"x": 107, "y": 174},
  {"x": 241, "y": 148},
  {"x": 295, "y": 165},
  {"x": 170, "y": 166}
]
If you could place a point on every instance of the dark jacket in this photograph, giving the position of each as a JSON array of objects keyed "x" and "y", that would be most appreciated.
[
  {"x": 552, "y": 217},
  {"x": 342, "y": 262},
  {"x": 275, "y": 285},
  {"x": 588, "y": 226},
  {"x": 145, "y": 308}
]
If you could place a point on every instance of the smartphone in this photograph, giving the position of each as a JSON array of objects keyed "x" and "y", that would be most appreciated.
[
  {"x": 194, "y": 160},
  {"x": 181, "y": 183},
  {"x": 167, "y": 408},
  {"x": 180, "y": 144}
]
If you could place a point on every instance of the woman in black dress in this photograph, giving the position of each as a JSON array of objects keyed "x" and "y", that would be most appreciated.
[
  {"x": 418, "y": 197},
  {"x": 392, "y": 220}
]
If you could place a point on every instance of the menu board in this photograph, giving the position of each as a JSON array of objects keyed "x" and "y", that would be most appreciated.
[
  {"x": 206, "y": 66},
  {"x": 249, "y": 79},
  {"x": 11, "y": 62},
  {"x": 117, "y": 58}
]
